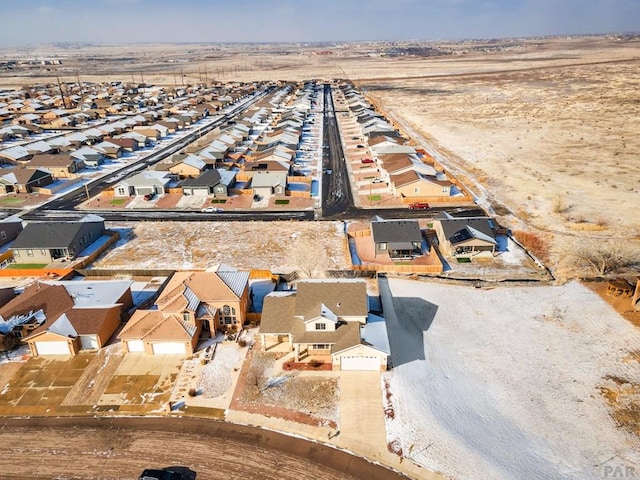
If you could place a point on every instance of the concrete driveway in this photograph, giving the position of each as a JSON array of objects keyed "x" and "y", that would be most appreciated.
[{"x": 361, "y": 411}]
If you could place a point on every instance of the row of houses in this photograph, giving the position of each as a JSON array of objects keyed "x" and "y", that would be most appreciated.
[
  {"x": 326, "y": 321},
  {"x": 256, "y": 153},
  {"x": 97, "y": 135},
  {"x": 391, "y": 163}
]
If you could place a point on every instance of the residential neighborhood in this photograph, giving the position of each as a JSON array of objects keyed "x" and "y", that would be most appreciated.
[{"x": 287, "y": 256}]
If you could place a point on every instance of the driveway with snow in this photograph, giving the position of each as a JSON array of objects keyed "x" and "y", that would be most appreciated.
[{"x": 503, "y": 383}]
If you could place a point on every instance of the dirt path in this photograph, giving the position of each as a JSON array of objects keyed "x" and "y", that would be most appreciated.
[{"x": 120, "y": 448}]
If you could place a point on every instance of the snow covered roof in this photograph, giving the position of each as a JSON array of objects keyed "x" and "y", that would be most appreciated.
[
  {"x": 94, "y": 294},
  {"x": 374, "y": 332},
  {"x": 62, "y": 326}
]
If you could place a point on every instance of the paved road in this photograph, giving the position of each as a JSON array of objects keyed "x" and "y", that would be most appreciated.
[{"x": 120, "y": 448}]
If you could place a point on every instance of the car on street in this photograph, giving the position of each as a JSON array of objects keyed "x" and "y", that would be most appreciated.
[
  {"x": 419, "y": 206},
  {"x": 212, "y": 210}
]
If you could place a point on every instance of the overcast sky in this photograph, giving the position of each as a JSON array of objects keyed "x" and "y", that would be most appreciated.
[{"x": 125, "y": 21}]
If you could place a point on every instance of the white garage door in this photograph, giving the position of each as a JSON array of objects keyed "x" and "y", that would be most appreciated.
[
  {"x": 170, "y": 348},
  {"x": 135, "y": 346},
  {"x": 88, "y": 342},
  {"x": 360, "y": 363},
  {"x": 53, "y": 348}
]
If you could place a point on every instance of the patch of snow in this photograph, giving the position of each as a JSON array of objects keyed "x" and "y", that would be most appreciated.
[
  {"x": 506, "y": 384},
  {"x": 216, "y": 375}
]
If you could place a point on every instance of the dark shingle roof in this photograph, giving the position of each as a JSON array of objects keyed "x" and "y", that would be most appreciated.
[
  {"x": 47, "y": 235},
  {"x": 205, "y": 179},
  {"x": 391, "y": 231}
]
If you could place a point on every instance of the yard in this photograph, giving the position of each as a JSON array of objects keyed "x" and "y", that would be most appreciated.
[
  {"x": 510, "y": 383},
  {"x": 277, "y": 246}
]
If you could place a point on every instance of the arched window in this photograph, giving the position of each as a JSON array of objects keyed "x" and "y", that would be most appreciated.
[{"x": 228, "y": 316}]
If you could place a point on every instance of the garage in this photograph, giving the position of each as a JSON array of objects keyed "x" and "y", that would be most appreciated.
[
  {"x": 89, "y": 342},
  {"x": 169, "y": 348},
  {"x": 359, "y": 363},
  {"x": 135, "y": 346},
  {"x": 53, "y": 348}
]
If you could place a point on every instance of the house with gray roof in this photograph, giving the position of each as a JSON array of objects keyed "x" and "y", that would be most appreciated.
[
  {"x": 465, "y": 236},
  {"x": 323, "y": 321},
  {"x": 396, "y": 238},
  {"x": 10, "y": 227},
  {"x": 46, "y": 242},
  {"x": 143, "y": 183},
  {"x": 210, "y": 182},
  {"x": 267, "y": 183}
]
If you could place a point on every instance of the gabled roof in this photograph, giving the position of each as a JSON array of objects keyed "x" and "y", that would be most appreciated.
[
  {"x": 48, "y": 234},
  {"x": 152, "y": 325},
  {"x": 266, "y": 178},
  {"x": 458, "y": 230},
  {"x": 93, "y": 294},
  {"x": 51, "y": 160},
  {"x": 208, "y": 178},
  {"x": 343, "y": 297},
  {"x": 14, "y": 153},
  {"x": 396, "y": 232}
]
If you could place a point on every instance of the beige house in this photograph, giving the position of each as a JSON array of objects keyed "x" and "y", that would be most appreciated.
[
  {"x": 413, "y": 184},
  {"x": 192, "y": 304},
  {"x": 325, "y": 321}
]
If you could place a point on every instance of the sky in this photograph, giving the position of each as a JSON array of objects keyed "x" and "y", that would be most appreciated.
[{"x": 29, "y": 22}]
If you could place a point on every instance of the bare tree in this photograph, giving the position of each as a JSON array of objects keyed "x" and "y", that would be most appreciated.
[
  {"x": 308, "y": 255},
  {"x": 604, "y": 257}
]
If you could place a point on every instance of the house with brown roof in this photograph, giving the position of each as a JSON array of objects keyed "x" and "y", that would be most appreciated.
[
  {"x": 413, "y": 184},
  {"x": 60, "y": 166},
  {"x": 25, "y": 180},
  {"x": 62, "y": 318},
  {"x": 192, "y": 304},
  {"x": 325, "y": 321}
]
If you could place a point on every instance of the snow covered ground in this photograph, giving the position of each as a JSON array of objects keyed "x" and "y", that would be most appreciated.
[{"x": 503, "y": 383}]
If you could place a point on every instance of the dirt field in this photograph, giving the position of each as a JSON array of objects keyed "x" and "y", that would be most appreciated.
[
  {"x": 122, "y": 448},
  {"x": 278, "y": 246}
]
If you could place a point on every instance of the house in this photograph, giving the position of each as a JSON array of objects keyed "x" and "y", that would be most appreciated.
[
  {"x": 46, "y": 242},
  {"x": 413, "y": 184},
  {"x": 143, "y": 183},
  {"x": 325, "y": 321},
  {"x": 396, "y": 238},
  {"x": 92, "y": 158},
  {"x": 60, "y": 166},
  {"x": 13, "y": 155},
  {"x": 190, "y": 304},
  {"x": 109, "y": 149},
  {"x": 10, "y": 227},
  {"x": 267, "y": 183},
  {"x": 127, "y": 144},
  {"x": 210, "y": 182},
  {"x": 62, "y": 318},
  {"x": 189, "y": 167},
  {"x": 25, "y": 180},
  {"x": 467, "y": 236}
]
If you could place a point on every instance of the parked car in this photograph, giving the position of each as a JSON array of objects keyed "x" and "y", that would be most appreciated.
[
  {"x": 257, "y": 198},
  {"x": 377, "y": 180},
  {"x": 149, "y": 196},
  {"x": 212, "y": 210},
  {"x": 367, "y": 160},
  {"x": 360, "y": 146},
  {"x": 419, "y": 206}
]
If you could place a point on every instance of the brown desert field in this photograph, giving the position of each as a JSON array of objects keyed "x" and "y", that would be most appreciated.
[{"x": 543, "y": 131}]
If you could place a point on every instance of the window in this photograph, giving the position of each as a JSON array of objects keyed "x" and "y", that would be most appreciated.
[
  {"x": 228, "y": 316},
  {"x": 416, "y": 190},
  {"x": 445, "y": 189},
  {"x": 29, "y": 253},
  {"x": 320, "y": 346},
  {"x": 321, "y": 326},
  {"x": 3, "y": 235},
  {"x": 382, "y": 245},
  {"x": 43, "y": 252},
  {"x": 186, "y": 316}
]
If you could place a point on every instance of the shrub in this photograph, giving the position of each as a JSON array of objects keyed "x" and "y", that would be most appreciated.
[
  {"x": 242, "y": 342},
  {"x": 193, "y": 392},
  {"x": 533, "y": 242}
]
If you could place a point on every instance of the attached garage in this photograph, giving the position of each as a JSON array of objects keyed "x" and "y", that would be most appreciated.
[
  {"x": 359, "y": 363},
  {"x": 89, "y": 342},
  {"x": 360, "y": 358},
  {"x": 52, "y": 348},
  {"x": 169, "y": 348},
  {"x": 135, "y": 346}
]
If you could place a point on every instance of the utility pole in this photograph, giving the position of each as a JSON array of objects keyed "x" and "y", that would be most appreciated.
[
  {"x": 64, "y": 102},
  {"x": 86, "y": 189}
]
